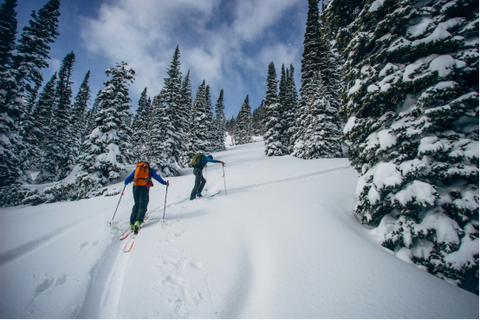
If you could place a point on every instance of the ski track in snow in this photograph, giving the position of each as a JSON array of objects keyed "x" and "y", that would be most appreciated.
[
  {"x": 38, "y": 243},
  {"x": 271, "y": 182},
  {"x": 104, "y": 295}
]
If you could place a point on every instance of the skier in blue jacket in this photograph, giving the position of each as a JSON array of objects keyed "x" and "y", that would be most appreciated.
[
  {"x": 199, "y": 179},
  {"x": 141, "y": 196}
]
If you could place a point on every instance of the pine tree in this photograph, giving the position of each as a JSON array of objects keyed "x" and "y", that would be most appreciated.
[
  {"x": 8, "y": 31},
  {"x": 106, "y": 151},
  {"x": 35, "y": 130},
  {"x": 210, "y": 119},
  {"x": 173, "y": 97},
  {"x": 184, "y": 111},
  {"x": 198, "y": 137},
  {"x": 140, "y": 127},
  {"x": 57, "y": 158},
  {"x": 243, "y": 130},
  {"x": 231, "y": 129},
  {"x": 411, "y": 100},
  {"x": 311, "y": 44},
  {"x": 220, "y": 129},
  {"x": 34, "y": 47},
  {"x": 318, "y": 134},
  {"x": 318, "y": 61},
  {"x": 258, "y": 120},
  {"x": 290, "y": 108},
  {"x": 273, "y": 115},
  {"x": 90, "y": 117},
  {"x": 79, "y": 120}
]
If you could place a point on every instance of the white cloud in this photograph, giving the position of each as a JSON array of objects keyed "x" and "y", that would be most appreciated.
[
  {"x": 254, "y": 16},
  {"x": 144, "y": 33}
]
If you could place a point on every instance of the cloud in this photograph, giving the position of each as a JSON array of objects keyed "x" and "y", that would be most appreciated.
[
  {"x": 222, "y": 41},
  {"x": 253, "y": 17}
]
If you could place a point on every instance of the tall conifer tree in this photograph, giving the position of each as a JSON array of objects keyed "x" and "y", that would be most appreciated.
[
  {"x": 34, "y": 47},
  {"x": 140, "y": 127},
  {"x": 273, "y": 114},
  {"x": 35, "y": 131},
  {"x": 79, "y": 121},
  {"x": 57, "y": 158},
  {"x": 220, "y": 124},
  {"x": 198, "y": 137},
  {"x": 411, "y": 99},
  {"x": 317, "y": 62},
  {"x": 8, "y": 31},
  {"x": 173, "y": 98},
  {"x": 161, "y": 146},
  {"x": 106, "y": 151},
  {"x": 244, "y": 127}
]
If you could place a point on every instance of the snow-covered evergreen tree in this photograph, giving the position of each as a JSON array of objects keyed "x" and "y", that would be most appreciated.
[
  {"x": 318, "y": 128},
  {"x": 34, "y": 46},
  {"x": 210, "y": 119},
  {"x": 160, "y": 144},
  {"x": 90, "y": 117},
  {"x": 140, "y": 127},
  {"x": 411, "y": 99},
  {"x": 258, "y": 119},
  {"x": 20, "y": 74},
  {"x": 57, "y": 158},
  {"x": 106, "y": 150},
  {"x": 173, "y": 97},
  {"x": 273, "y": 121},
  {"x": 317, "y": 62},
  {"x": 184, "y": 111},
  {"x": 36, "y": 129},
  {"x": 220, "y": 128},
  {"x": 290, "y": 108},
  {"x": 79, "y": 109},
  {"x": 243, "y": 128},
  {"x": 8, "y": 30},
  {"x": 231, "y": 125},
  {"x": 198, "y": 136},
  {"x": 10, "y": 113}
]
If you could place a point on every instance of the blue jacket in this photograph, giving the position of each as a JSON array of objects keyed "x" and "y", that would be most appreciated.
[
  {"x": 208, "y": 159},
  {"x": 152, "y": 174}
]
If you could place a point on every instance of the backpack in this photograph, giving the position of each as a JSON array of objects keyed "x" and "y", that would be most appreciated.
[
  {"x": 197, "y": 158},
  {"x": 142, "y": 174}
]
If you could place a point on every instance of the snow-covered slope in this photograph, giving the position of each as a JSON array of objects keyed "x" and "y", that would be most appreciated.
[{"x": 282, "y": 243}]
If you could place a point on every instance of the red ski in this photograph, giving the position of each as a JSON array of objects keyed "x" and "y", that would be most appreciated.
[
  {"x": 126, "y": 234},
  {"x": 131, "y": 241}
]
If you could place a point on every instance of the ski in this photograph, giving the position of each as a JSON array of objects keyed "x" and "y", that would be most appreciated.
[
  {"x": 129, "y": 231},
  {"x": 129, "y": 245},
  {"x": 126, "y": 233},
  {"x": 211, "y": 195}
]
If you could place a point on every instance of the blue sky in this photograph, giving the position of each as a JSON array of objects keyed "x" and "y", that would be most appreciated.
[{"x": 227, "y": 43}]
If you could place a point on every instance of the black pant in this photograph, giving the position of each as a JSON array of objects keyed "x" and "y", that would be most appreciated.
[
  {"x": 199, "y": 182},
  {"x": 140, "y": 198}
]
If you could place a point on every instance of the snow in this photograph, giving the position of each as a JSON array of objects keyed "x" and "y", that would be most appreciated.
[
  {"x": 281, "y": 243},
  {"x": 349, "y": 125},
  {"x": 356, "y": 87},
  {"x": 465, "y": 255},
  {"x": 419, "y": 28},
  {"x": 423, "y": 192},
  {"x": 376, "y": 5}
]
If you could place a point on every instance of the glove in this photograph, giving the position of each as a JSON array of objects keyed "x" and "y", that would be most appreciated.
[
  {"x": 223, "y": 163},
  {"x": 168, "y": 183}
]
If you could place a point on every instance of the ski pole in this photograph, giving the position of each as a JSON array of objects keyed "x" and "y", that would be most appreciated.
[
  {"x": 121, "y": 195},
  {"x": 165, "y": 202},
  {"x": 224, "y": 179},
  {"x": 206, "y": 178}
]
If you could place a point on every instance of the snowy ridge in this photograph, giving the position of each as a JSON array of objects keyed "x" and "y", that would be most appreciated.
[{"x": 283, "y": 243}]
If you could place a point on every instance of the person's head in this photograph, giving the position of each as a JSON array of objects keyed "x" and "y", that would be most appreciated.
[{"x": 210, "y": 157}]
